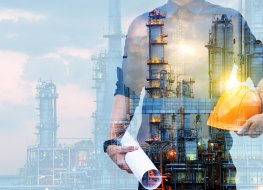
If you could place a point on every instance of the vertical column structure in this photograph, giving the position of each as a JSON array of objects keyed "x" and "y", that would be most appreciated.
[
  {"x": 158, "y": 66},
  {"x": 99, "y": 78},
  {"x": 221, "y": 60},
  {"x": 221, "y": 54},
  {"x": 160, "y": 77},
  {"x": 47, "y": 96},
  {"x": 254, "y": 61},
  {"x": 114, "y": 37},
  {"x": 107, "y": 175},
  {"x": 253, "y": 49},
  {"x": 254, "y": 17}
]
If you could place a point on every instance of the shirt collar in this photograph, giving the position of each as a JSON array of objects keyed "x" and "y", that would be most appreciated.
[{"x": 194, "y": 7}]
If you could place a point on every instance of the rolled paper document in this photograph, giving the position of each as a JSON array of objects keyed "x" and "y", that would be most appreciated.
[{"x": 140, "y": 164}]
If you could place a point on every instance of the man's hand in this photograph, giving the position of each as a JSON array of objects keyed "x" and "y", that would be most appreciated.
[
  {"x": 253, "y": 127},
  {"x": 117, "y": 154}
]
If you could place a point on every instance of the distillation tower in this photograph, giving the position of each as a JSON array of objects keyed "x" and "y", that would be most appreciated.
[
  {"x": 253, "y": 15},
  {"x": 171, "y": 107},
  {"x": 107, "y": 175},
  {"x": 220, "y": 59},
  {"x": 114, "y": 54},
  {"x": 50, "y": 165},
  {"x": 221, "y": 54},
  {"x": 47, "y": 96}
]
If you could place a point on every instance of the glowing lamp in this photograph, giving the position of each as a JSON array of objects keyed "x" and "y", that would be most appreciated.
[{"x": 171, "y": 154}]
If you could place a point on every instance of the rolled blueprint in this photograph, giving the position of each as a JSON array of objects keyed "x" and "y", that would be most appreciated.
[{"x": 140, "y": 164}]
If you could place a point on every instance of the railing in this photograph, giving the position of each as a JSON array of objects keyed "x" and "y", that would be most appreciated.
[
  {"x": 159, "y": 40},
  {"x": 155, "y": 22},
  {"x": 186, "y": 133},
  {"x": 157, "y": 61}
]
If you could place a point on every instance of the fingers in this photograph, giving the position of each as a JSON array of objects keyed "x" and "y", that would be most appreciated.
[
  {"x": 244, "y": 129},
  {"x": 112, "y": 149},
  {"x": 126, "y": 149},
  {"x": 125, "y": 167},
  {"x": 117, "y": 154},
  {"x": 122, "y": 164},
  {"x": 253, "y": 127},
  {"x": 121, "y": 160}
]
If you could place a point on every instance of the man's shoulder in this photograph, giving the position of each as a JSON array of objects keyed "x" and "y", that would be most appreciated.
[
  {"x": 213, "y": 9},
  {"x": 138, "y": 25}
]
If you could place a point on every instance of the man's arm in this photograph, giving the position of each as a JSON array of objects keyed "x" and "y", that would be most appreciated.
[
  {"x": 131, "y": 75},
  {"x": 117, "y": 129},
  {"x": 118, "y": 117}
]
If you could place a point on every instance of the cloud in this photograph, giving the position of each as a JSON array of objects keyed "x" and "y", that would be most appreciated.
[
  {"x": 75, "y": 52},
  {"x": 15, "y": 15},
  {"x": 64, "y": 52},
  {"x": 11, "y": 35},
  {"x": 13, "y": 89},
  {"x": 75, "y": 107},
  {"x": 15, "y": 142},
  {"x": 64, "y": 65}
]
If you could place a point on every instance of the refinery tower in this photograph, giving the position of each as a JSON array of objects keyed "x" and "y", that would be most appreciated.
[
  {"x": 49, "y": 165},
  {"x": 47, "y": 97},
  {"x": 107, "y": 175}
]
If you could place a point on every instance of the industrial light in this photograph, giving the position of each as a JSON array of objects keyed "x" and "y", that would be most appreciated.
[{"x": 171, "y": 154}]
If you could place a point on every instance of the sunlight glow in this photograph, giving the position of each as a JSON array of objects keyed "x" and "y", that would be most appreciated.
[{"x": 233, "y": 81}]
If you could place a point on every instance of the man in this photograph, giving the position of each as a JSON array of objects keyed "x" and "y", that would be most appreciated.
[{"x": 187, "y": 24}]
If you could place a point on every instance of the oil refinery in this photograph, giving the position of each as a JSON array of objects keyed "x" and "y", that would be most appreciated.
[
  {"x": 175, "y": 118},
  {"x": 175, "y": 144}
]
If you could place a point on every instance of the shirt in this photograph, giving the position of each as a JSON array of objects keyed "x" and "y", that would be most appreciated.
[{"x": 188, "y": 30}]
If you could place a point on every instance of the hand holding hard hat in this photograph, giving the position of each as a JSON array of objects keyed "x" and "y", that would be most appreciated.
[
  {"x": 239, "y": 105},
  {"x": 254, "y": 126}
]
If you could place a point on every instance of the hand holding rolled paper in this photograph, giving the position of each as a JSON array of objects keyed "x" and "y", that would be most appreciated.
[
  {"x": 140, "y": 164},
  {"x": 238, "y": 103}
]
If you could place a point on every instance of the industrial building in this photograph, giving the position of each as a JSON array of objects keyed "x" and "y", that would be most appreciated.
[
  {"x": 176, "y": 117},
  {"x": 83, "y": 165},
  {"x": 50, "y": 165}
]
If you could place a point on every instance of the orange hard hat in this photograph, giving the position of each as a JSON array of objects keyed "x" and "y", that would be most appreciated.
[{"x": 234, "y": 108}]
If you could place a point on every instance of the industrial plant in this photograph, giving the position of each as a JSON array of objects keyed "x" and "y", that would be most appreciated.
[
  {"x": 176, "y": 119},
  {"x": 175, "y": 144}
]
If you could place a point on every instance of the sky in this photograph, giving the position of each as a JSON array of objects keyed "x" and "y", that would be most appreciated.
[{"x": 52, "y": 40}]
